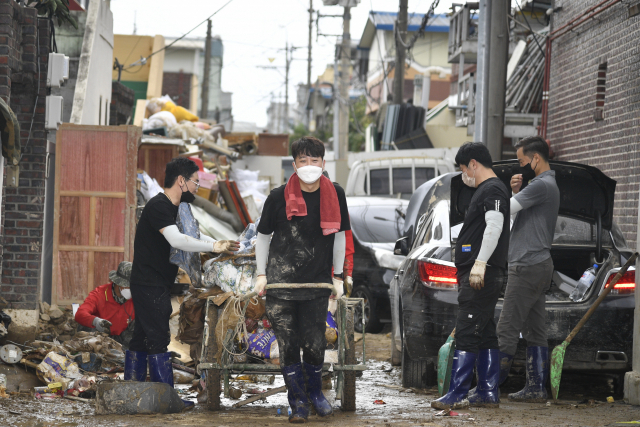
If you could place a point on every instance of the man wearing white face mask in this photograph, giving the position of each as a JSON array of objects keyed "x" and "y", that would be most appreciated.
[
  {"x": 109, "y": 308},
  {"x": 301, "y": 236}
]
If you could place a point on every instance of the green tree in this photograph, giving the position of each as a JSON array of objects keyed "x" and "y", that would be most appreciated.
[{"x": 358, "y": 122}]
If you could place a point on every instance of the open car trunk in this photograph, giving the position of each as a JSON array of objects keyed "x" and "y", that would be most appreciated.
[{"x": 569, "y": 264}]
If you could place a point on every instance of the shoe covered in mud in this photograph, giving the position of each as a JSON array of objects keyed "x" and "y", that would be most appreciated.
[
  {"x": 537, "y": 370},
  {"x": 487, "y": 392},
  {"x": 135, "y": 366},
  {"x": 505, "y": 366},
  {"x": 461, "y": 375},
  {"x": 314, "y": 390},
  {"x": 161, "y": 371},
  {"x": 296, "y": 393}
]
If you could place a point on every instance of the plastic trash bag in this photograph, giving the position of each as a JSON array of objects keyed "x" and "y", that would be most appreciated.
[
  {"x": 331, "y": 333},
  {"x": 264, "y": 344},
  {"x": 58, "y": 369},
  {"x": 188, "y": 261},
  {"x": 235, "y": 273}
]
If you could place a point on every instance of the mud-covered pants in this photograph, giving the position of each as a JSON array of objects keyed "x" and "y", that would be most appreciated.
[
  {"x": 299, "y": 324},
  {"x": 152, "y": 305},
  {"x": 476, "y": 325}
]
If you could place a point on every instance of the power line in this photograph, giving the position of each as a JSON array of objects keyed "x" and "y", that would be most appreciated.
[{"x": 181, "y": 37}]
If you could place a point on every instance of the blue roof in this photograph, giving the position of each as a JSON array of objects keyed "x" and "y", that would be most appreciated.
[{"x": 439, "y": 23}]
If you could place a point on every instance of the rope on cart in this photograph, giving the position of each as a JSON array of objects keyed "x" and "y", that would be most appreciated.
[{"x": 241, "y": 327}]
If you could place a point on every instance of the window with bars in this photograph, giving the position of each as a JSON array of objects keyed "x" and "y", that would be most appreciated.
[{"x": 600, "y": 91}]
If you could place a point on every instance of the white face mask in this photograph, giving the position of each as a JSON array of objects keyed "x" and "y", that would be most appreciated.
[
  {"x": 126, "y": 293},
  {"x": 470, "y": 181},
  {"x": 309, "y": 174}
]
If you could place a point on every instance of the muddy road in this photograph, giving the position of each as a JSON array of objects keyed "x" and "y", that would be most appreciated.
[{"x": 583, "y": 403}]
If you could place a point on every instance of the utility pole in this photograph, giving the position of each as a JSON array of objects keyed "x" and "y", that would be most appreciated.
[
  {"x": 345, "y": 62},
  {"x": 309, "y": 59},
  {"x": 497, "y": 78},
  {"x": 398, "y": 79},
  {"x": 482, "y": 72},
  {"x": 205, "y": 77},
  {"x": 286, "y": 88}
]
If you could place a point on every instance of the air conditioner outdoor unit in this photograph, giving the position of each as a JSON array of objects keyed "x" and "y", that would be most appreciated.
[
  {"x": 58, "y": 69},
  {"x": 53, "y": 112}
]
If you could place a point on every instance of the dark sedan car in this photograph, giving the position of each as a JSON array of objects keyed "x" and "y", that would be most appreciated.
[{"x": 423, "y": 294}]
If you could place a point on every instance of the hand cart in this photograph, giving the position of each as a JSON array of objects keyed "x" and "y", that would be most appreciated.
[{"x": 345, "y": 370}]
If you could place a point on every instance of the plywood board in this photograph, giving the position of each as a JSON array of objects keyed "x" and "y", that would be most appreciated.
[
  {"x": 153, "y": 159},
  {"x": 103, "y": 263},
  {"x": 94, "y": 206}
]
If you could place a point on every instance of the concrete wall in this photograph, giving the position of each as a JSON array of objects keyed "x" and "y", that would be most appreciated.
[
  {"x": 93, "y": 87},
  {"x": 610, "y": 144}
]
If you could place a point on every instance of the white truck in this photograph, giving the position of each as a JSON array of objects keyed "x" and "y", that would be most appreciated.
[{"x": 396, "y": 173}]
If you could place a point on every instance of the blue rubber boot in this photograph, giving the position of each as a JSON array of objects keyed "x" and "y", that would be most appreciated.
[
  {"x": 296, "y": 393},
  {"x": 487, "y": 392},
  {"x": 314, "y": 390},
  {"x": 535, "y": 390},
  {"x": 135, "y": 366},
  {"x": 461, "y": 375},
  {"x": 161, "y": 371}
]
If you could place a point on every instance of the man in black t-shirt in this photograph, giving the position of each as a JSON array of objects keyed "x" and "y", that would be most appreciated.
[
  {"x": 153, "y": 274},
  {"x": 307, "y": 217},
  {"x": 481, "y": 260}
]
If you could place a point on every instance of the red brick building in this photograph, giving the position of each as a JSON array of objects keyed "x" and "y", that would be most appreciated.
[{"x": 594, "y": 95}]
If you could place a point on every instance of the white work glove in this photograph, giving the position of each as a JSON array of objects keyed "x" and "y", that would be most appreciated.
[
  {"x": 102, "y": 325},
  {"x": 338, "y": 288},
  {"x": 333, "y": 306},
  {"x": 226, "y": 247},
  {"x": 476, "y": 278},
  {"x": 261, "y": 282}
]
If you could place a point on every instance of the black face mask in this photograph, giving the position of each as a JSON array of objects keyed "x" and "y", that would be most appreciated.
[
  {"x": 187, "y": 196},
  {"x": 527, "y": 172}
]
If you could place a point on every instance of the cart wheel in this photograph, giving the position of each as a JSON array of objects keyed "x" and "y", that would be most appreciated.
[
  {"x": 213, "y": 375},
  {"x": 348, "y": 402}
]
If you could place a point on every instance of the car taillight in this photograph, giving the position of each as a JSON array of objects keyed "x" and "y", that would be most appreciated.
[
  {"x": 626, "y": 284},
  {"x": 438, "y": 276}
]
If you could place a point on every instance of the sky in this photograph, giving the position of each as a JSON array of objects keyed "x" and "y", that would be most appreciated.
[{"x": 252, "y": 32}]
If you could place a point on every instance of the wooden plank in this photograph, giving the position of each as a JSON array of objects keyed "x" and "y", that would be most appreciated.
[
  {"x": 87, "y": 248},
  {"x": 73, "y": 220},
  {"x": 104, "y": 262},
  {"x": 72, "y": 275},
  {"x": 109, "y": 216},
  {"x": 90, "y": 271},
  {"x": 112, "y": 194}
]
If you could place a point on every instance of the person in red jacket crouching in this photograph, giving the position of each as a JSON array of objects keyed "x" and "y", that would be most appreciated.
[{"x": 109, "y": 308}]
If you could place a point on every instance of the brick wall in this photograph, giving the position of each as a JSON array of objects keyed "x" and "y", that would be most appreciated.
[
  {"x": 121, "y": 108},
  {"x": 21, "y": 239},
  {"x": 178, "y": 87},
  {"x": 612, "y": 143}
]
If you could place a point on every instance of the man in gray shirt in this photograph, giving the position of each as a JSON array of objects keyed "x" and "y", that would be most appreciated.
[{"x": 530, "y": 267}]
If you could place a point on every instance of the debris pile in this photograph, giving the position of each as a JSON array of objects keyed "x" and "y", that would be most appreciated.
[{"x": 55, "y": 323}]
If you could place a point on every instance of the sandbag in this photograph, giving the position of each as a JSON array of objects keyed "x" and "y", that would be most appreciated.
[{"x": 131, "y": 397}]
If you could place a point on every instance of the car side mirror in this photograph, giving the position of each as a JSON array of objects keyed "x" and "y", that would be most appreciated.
[{"x": 402, "y": 246}]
